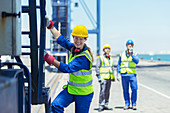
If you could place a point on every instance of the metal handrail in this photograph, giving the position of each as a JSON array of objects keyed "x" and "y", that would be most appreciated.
[{"x": 28, "y": 78}]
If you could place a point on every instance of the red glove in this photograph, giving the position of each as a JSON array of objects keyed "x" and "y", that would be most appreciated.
[
  {"x": 49, "y": 59},
  {"x": 49, "y": 23}
]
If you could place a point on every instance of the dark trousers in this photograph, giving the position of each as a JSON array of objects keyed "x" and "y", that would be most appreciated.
[{"x": 104, "y": 93}]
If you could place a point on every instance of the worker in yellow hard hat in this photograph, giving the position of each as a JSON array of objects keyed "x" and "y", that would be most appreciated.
[
  {"x": 105, "y": 74},
  {"x": 79, "y": 88}
]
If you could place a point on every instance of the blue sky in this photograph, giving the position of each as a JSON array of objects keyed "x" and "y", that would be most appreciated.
[{"x": 146, "y": 22}]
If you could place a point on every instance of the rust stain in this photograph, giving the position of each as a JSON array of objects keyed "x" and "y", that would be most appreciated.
[
  {"x": 3, "y": 30},
  {"x": 3, "y": 21},
  {"x": 3, "y": 26}
]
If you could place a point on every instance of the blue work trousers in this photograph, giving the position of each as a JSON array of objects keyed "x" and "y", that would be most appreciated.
[
  {"x": 126, "y": 80},
  {"x": 82, "y": 102}
]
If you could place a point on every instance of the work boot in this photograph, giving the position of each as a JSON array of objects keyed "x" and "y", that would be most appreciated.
[
  {"x": 126, "y": 107},
  {"x": 107, "y": 108},
  {"x": 100, "y": 109},
  {"x": 134, "y": 108}
]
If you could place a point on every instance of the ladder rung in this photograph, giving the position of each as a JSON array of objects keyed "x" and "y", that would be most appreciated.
[
  {"x": 24, "y": 53},
  {"x": 38, "y": 7},
  {"x": 25, "y": 46},
  {"x": 25, "y": 32},
  {"x": 25, "y": 9}
]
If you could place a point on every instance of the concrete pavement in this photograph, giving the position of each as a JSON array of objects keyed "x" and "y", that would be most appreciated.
[
  {"x": 153, "y": 96},
  {"x": 153, "y": 91}
]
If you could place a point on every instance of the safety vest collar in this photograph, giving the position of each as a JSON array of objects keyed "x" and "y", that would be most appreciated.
[
  {"x": 105, "y": 61},
  {"x": 84, "y": 53}
]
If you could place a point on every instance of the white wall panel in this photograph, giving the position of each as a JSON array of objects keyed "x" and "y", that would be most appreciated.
[{"x": 10, "y": 28}]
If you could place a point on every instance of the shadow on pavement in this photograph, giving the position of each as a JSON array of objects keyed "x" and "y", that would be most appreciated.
[
  {"x": 96, "y": 108},
  {"x": 119, "y": 107}
]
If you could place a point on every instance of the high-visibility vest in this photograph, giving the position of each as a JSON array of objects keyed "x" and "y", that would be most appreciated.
[
  {"x": 106, "y": 68},
  {"x": 127, "y": 65},
  {"x": 80, "y": 82}
]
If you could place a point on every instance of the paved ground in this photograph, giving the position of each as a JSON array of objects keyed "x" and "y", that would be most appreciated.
[{"x": 153, "y": 91}]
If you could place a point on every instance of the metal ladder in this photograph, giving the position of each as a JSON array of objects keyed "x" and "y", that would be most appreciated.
[{"x": 39, "y": 93}]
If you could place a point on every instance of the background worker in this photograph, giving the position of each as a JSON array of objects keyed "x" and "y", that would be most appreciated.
[
  {"x": 79, "y": 88},
  {"x": 126, "y": 68},
  {"x": 105, "y": 74}
]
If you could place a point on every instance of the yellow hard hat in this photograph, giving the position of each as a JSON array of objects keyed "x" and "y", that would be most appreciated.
[
  {"x": 106, "y": 46},
  {"x": 80, "y": 31}
]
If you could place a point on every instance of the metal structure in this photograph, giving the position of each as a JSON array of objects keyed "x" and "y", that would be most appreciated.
[
  {"x": 62, "y": 16},
  {"x": 35, "y": 91},
  {"x": 39, "y": 93},
  {"x": 24, "y": 92},
  {"x": 96, "y": 24}
]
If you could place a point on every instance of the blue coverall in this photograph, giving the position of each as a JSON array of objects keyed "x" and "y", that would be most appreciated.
[
  {"x": 82, "y": 102},
  {"x": 126, "y": 79}
]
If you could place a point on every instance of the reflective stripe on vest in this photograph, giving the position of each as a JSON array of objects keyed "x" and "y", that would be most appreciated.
[
  {"x": 80, "y": 82},
  {"x": 127, "y": 65},
  {"x": 106, "y": 68},
  {"x": 82, "y": 73}
]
